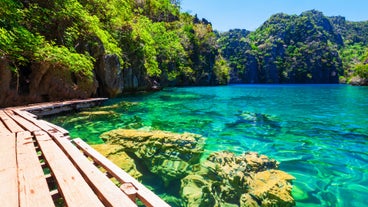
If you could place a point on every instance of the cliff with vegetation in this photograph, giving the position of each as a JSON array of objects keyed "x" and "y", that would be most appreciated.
[
  {"x": 64, "y": 49},
  {"x": 306, "y": 48}
]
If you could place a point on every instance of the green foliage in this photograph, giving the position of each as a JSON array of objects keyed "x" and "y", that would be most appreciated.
[
  {"x": 352, "y": 54},
  {"x": 286, "y": 49},
  {"x": 361, "y": 70},
  {"x": 18, "y": 44},
  {"x": 85, "y": 24},
  {"x": 158, "y": 10},
  {"x": 222, "y": 70},
  {"x": 142, "y": 33},
  {"x": 9, "y": 13},
  {"x": 60, "y": 55},
  {"x": 179, "y": 52},
  {"x": 360, "y": 66},
  {"x": 157, "y": 41},
  {"x": 111, "y": 13},
  {"x": 151, "y": 37},
  {"x": 21, "y": 46},
  {"x": 234, "y": 46},
  {"x": 352, "y": 32}
]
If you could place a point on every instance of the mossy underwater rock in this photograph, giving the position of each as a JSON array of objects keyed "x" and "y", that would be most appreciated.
[
  {"x": 95, "y": 114},
  {"x": 119, "y": 158},
  {"x": 225, "y": 179},
  {"x": 168, "y": 155}
]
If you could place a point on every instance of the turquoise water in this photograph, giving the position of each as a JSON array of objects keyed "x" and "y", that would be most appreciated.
[{"x": 319, "y": 133}]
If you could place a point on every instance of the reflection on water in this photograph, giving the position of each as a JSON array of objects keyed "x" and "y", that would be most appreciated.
[{"x": 319, "y": 133}]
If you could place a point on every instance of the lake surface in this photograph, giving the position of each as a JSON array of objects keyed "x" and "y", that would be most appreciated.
[{"x": 318, "y": 133}]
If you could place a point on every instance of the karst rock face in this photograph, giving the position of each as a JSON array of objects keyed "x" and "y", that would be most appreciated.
[
  {"x": 359, "y": 81},
  {"x": 53, "y": 82},
  {"x": 44, "y": 81},
  {"x": 225, "y": 179},
  {"x": 110, "y": 76},
  {"x": 286, "y": 49}
]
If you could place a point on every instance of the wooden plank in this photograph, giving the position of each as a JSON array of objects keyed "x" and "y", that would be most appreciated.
[
  {"x": 60, "y": 129},
  {"x": 106, "y": 190},
  {"x": 10, "y": 123},
  {"x": 45, "y": 109},
  {"x": 29, "y": 126},
  {"x": 47, "y": 126},
  {"x": 144, "y": 194},
  {"x": 3, "y": 128},
  {"x": 8, "y": 111},
  {"x": 33, "y": 189},
  {"x": 130, "y": 190},
  {"x": 44, "y": 125},
  {"x": 24, "y": 114},
  {"x": 8, "y": 170},
  {"x": 72, "y": 185},
  {"x": 33, "y": 119},
  {"x": 29, "y": 114}
]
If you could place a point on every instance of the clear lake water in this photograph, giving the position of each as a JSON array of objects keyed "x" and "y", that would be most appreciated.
[{"x": 318, "y": 133}]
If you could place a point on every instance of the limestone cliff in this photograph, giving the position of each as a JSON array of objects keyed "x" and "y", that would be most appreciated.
[
  {"x": 305, "y": 48},
  {"x": 59, "y": 50}
]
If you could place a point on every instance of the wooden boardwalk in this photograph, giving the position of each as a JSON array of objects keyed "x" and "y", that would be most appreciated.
[{"x": 41, "y": 166}]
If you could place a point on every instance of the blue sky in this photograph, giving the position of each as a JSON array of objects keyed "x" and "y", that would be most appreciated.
[{"x": 250, "y": 14}]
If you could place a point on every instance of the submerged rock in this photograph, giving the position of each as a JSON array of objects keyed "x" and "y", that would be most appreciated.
[
  {"x": 256, "y": 124},
  {"x": 123, "y": 105},
  {"x": 166, "y": 154},
  {"x": 225, "y": 179},
  {"x": 270, "y": 188},
  {"x": 96, "y": 113},
  {"x": 119, "y": 158},
  {"x": 100, "y": 114},
  {"x": 258, "y": 119}
]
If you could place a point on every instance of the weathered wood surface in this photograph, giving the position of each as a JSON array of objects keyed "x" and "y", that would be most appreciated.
[
  {"x": 33, "y": 189},
  {"x": 46, "y": 109},
  {"x": 8, "y": 170},
  {"x": 22, "y": 122},
  {"x": 57, "y": 128},
  {"x": 3, "y": 128},
  {"x": 72, "y": 185},
  {"x": 144, "y": 194},
  {"x": 28, "y": 145},
  {"x": 10, "y": 123},
  {"x": 103, "y": 186}
]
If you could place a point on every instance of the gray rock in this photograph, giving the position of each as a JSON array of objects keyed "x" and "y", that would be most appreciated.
[{"x": 110, "y": 76}]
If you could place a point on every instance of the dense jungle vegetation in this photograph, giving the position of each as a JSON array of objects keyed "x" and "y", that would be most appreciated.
[
  {"x": 103, "y": 48},
  {"x": 62, "y": 49},
  {"x": 306, "y": 48}
]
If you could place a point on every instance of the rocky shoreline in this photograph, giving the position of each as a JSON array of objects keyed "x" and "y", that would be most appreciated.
[{"x": 223, "y": 179}]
